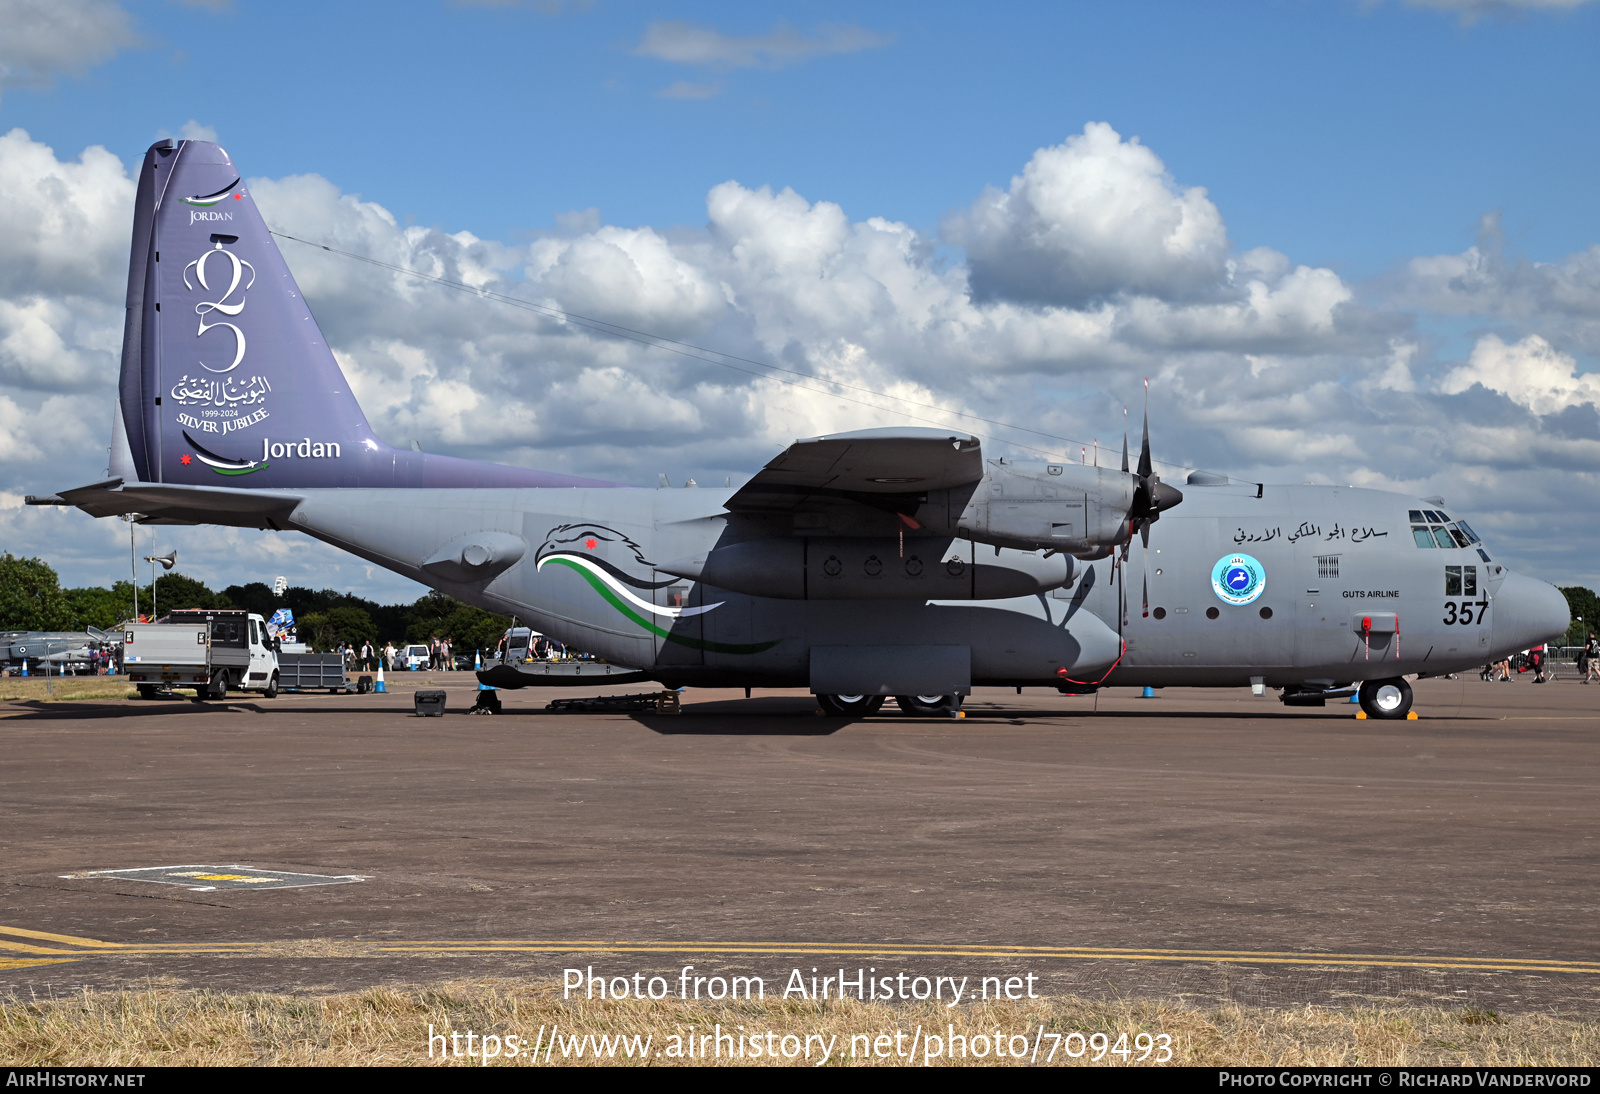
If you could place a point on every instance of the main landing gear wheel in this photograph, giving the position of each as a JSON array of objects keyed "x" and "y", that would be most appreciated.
[
  {"x": 928, "y": 705},
  {"x": 850, "y": 706},
  {"x": 1388, "y": 699}
]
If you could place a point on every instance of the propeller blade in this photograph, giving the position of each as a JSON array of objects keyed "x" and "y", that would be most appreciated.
[
  {"x": 1145, "y": 466},
  {"x": 1144, "y": 531},
  {"x": 1124, "y": 439}
]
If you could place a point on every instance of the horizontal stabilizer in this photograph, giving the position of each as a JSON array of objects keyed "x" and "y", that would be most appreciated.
[{"x": 167, "y": 503}]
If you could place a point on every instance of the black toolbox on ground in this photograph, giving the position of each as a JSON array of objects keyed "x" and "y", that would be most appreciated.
[{"x": 430, "y": 704}]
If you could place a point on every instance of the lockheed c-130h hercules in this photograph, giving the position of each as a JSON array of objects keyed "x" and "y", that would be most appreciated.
[{"x": 884, "y": 562}]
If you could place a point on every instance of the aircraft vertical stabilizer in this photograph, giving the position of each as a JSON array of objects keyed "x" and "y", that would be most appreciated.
[{"x": 226, "y": 378}]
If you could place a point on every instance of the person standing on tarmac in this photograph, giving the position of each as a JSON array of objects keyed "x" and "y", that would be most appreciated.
[
  {"x": 1536, "y": 660},
  {"x": 1591, "y": 658}
]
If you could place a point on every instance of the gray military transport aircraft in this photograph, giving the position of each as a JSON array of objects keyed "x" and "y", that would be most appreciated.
[{"x": 884, "y": 562}]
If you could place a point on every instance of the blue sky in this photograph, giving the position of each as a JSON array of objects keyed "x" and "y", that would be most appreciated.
[
  {"x": 993, "y": 171},
  {"x": 1341, "y": 133}
]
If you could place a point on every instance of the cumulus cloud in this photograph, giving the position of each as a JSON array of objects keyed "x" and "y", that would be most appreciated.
[
  {"x": 1531, "y": 373},
  {"x": 1089, "y": 217},
  {"x": 686, "y": 44},
  {"x": 1262, "y": 367},
  {"x": 190, "y": 130},
  {"x": 47, "y": 38}
]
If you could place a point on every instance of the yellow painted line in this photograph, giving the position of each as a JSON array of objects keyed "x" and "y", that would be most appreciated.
[
  {"x": 65, "y": 939},
  {"x": 11, "y": 963},
  {"x": 23, "y": 947},
  {"x": 358, "y": 948},
  {"x": 1487, "y": 964},
  {"x": 911, "y": 950}
]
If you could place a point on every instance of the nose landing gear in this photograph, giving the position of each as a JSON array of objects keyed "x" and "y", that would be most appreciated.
[{"x": 1386, "y": 699}]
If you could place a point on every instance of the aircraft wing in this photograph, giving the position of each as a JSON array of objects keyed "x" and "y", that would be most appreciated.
[
  {"x": 168, "y": 503},
  {"x": 883, "y": 468}
]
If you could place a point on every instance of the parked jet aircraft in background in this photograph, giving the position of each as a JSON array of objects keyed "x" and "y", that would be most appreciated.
[
  {"x": 62, "y": 651},
  {"x": 861, "y": 565}
]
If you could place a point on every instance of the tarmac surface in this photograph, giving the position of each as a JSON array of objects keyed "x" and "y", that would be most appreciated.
[{"x": 1203, "y": 845}]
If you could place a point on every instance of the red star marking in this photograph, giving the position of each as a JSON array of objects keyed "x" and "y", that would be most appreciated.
[
  {"x": 238, "y": 197},
  {"x": 184, "y": 459},
  {"x": 590, "y": 543}
]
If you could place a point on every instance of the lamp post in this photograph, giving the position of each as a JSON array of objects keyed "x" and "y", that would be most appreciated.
[{"x": 167, "y": 560}]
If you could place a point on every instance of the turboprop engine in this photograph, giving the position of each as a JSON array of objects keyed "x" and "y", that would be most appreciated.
[
  {"x": 871, "y": 568},
  {"x": 1070, "y": 508},
  {"x": 1081, "y": 510}
]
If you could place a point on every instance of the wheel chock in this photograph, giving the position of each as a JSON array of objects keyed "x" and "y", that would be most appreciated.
[
  {"x": 1361, "y": 714},
  {"x": 1411, "y": 716}
]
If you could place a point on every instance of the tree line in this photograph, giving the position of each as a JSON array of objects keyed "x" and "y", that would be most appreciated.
[{"x": 32, "y": 599}]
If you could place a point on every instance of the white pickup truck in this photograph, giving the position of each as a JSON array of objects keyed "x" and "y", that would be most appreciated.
[{"x": 211, "y": 651}]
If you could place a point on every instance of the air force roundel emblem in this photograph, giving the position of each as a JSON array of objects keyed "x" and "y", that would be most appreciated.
[{"x": 1238, "y": 579}]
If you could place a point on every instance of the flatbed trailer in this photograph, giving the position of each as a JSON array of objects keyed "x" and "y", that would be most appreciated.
[{"x": 314, "y": 672}]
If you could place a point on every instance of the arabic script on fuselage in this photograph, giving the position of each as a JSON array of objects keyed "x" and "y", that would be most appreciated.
[{"x": 1309, "y": 530}]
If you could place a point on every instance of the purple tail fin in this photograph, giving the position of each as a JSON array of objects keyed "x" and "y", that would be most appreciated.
[{"x": 226, "y": 379}]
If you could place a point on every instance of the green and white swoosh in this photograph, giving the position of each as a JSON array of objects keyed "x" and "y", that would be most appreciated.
[
  {"x": 623, "y": 600},
  {"x": 588, "y": 568},
  {"x": 206, "y": 201}
]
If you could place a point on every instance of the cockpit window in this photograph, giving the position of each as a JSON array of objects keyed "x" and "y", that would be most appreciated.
[
  {"x": 1443, "y": 536},
  {"x": 1432, "y": 516},
  {"x": 1416, "y": 517},
  {"x": 1423, "y": 537},
  {"x": 1460, "y": 537},
  {"x": 1472, "y": 536},
  {"x": 1460, "y": 581}
]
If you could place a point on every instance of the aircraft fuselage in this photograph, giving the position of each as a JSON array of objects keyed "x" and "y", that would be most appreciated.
[{"x": 1328, "y": 559}]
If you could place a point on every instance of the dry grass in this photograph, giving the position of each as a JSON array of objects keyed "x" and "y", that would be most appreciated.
[
  {"x": 164, "y": 1026},
  {"x": 59, "y": 688}
]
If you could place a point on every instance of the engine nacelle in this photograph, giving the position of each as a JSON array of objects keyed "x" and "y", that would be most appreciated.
[
  {"x": 874, "y": 569},
  {"x": 1038, "y": 506}
]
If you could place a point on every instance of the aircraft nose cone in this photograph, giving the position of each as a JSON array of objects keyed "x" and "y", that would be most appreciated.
[
  {"x": 1165, "y": 497},
  {"x": 1528, "y": 612}
]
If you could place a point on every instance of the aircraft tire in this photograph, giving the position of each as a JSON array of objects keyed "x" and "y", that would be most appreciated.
[
  {"x": 927, "y": 705},
  {"x": 271, "y": 691},
  {"x": 1386, "y": 699},
  {"x": 850, "y": 706}
]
